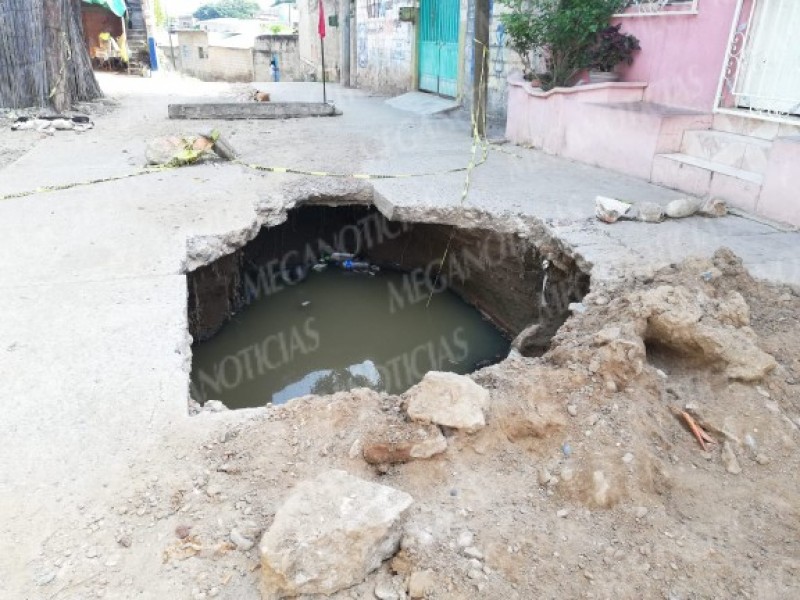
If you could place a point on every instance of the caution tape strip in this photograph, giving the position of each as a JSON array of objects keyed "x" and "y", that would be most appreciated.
[{"x": 253, "y": 166}]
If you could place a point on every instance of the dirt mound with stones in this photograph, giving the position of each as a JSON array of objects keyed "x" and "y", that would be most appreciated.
[{"x": 576, "y": 476}]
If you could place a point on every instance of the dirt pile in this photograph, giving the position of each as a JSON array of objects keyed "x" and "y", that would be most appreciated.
[{"x": 582, "y": 483}]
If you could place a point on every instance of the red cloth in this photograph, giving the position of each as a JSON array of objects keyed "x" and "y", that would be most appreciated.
[{"x": 321, "y": 27}]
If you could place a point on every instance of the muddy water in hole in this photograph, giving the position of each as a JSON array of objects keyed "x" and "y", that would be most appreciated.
[{"x": 337, "y": 331}]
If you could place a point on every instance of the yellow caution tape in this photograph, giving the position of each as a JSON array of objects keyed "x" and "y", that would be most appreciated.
[{"x": 477, "y": 143}]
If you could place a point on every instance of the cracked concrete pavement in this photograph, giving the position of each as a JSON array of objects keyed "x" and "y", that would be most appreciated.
[{"x": 93, "y": 342}]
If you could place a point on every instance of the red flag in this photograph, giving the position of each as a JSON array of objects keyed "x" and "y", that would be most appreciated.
[{"x": 321, "y": 27}]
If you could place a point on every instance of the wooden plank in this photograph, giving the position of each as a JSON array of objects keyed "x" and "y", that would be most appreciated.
[{"x": 253, "y": 110}]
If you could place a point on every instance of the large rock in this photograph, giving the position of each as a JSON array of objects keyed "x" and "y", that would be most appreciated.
[
  {"x": 329, "y": 534},
  {"x": 450, "y": 400},
  {"x": 712, "y": 330}
]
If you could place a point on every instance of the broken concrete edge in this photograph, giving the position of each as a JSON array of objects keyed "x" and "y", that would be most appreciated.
[
  {"x": 203, "y": 250},
  {"x": 255, "y": 110}
]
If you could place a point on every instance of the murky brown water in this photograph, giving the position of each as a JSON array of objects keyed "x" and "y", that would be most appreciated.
[{"x": 337, "y": 331}]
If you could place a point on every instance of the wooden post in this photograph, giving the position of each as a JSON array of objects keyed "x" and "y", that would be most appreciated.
[{"x": 480, "y": 84}]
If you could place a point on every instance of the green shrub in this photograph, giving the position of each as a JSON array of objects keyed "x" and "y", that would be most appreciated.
[{"x": 562, "y": 31}]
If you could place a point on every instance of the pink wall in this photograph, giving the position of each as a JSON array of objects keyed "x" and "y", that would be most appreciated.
[
  {"x": 682, "y": 55},
  {"x": 779, "y": 198}
]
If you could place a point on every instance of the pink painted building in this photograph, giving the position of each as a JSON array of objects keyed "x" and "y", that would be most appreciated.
[{"x": 710, "y": 106}]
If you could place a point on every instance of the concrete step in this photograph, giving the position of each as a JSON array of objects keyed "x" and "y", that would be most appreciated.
[
  {"x": 706, "y": 178},
  {"x": 754, "y": 127},
  {"x": 743, "y": 152}
]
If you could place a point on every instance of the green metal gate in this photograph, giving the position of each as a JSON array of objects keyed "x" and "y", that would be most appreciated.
[{"x": 438, "y": 46}]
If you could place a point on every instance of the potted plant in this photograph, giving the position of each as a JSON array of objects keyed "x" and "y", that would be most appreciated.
[{"x": 611, "y": 48}]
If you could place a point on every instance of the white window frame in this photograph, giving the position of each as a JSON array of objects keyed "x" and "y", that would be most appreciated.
[{"x": 659, "y": 8}]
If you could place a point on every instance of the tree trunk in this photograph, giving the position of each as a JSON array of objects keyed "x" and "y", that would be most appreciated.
[{"x": 43, "y": 57}]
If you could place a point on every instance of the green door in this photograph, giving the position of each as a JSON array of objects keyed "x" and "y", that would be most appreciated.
[{"x": 438, "y": 46}]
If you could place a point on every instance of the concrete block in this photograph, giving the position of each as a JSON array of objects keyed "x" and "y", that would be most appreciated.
[{"x": 254, "y": 110}]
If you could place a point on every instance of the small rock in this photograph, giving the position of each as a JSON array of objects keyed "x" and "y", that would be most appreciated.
[
  {"x": 420, "y": 444},
  {"x": 650, "y": 212},
  {"x": 610, "y": 210},
  {"x": 92, "y": 552},
  {"x": 124, "y": 540},
  {"x": 420, "y": 584},
  {"x": 683, "y": 207},
  {"x": 762, "y": 459},
  {"x": 572, "y": 410},
  {"x": 473, "y": 552},
  {"x": 355, "y": 449},
  {"x": 627, "y": 458},
  {"x": 714, "y": 207},
  {"x": 242, "y": 543},
  {"x": 640, "y": 512},
  {"x": 214, "y": 406},
  {"x": 601, "y": 300},
  {"x": 465, "y": 538},
  {"x": 730, "y": 460},
  {"x": 45, "y": 578},
  {"x": 544, "y": 476},
  {"x": 384, "y": 590},
  {"x": 183, "y": 531},
  {"x": 563, "y": 513},
  {"x": 601, "y": 488},
  {"x": 577, "y": 307},
  {"x": 475, "y": 574}
]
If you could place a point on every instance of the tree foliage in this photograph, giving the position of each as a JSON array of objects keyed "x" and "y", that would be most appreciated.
[
  {"x": 560, "y": 31},
  {"x": 237, "y": 9},
  {"x": 160, "y": 13}
]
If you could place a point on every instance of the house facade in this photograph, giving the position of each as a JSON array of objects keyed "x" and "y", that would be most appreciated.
[{"x": 710, "y": 106}]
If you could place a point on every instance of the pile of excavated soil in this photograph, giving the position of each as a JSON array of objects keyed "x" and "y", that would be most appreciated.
[{"x": 583, "y": 484}]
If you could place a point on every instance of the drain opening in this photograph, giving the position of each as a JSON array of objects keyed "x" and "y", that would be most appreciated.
[{"x": 340, "y": 297}]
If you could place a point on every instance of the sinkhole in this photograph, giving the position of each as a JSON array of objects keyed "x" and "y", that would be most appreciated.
[{"x": 339, "y": 297}]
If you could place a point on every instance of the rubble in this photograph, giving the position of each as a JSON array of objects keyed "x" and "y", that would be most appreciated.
[
  {"x": 399, "y": 443},
  {"x": 329, "y": 534},
  {"x": 448, "y": 400}
]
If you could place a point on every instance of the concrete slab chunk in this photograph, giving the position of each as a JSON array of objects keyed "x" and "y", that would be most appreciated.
[
  {"x": 254, "y": 110},
  {"x": 331, "y": 532},
  {"x": 450, "y": 400}
]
